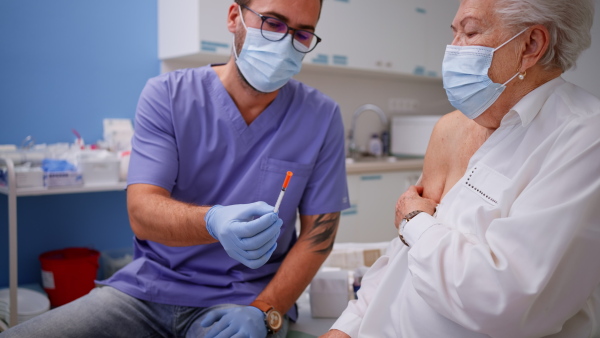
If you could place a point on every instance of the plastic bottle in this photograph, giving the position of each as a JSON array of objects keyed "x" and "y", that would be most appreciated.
[
  {"x": 385, "y": 142},
  {"x": 375, "y": 146}
]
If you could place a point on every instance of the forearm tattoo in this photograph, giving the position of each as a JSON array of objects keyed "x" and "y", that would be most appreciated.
[{"x": 323, "y": 231}]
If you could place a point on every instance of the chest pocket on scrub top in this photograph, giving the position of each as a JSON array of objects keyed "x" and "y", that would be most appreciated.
[{"x": 272, "y": 175}]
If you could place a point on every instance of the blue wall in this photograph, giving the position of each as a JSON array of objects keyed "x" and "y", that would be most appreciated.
[{"x": 69, "y": 64}]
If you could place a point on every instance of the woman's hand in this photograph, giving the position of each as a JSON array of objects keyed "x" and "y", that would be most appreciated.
[
  {"x": 334, "y": 334},
  {"x": 412, "y": 200}
]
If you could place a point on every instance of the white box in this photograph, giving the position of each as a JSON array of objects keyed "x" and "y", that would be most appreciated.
[
  {"x": 30, "y": 178},
  {"x": 62, "y": 179},
  {"x": 329, "y": 294},
  {"x": 24, "y": 177},
  {"x": 114, "y": 259},
  {"x": 100, "y": 170},
  {"x": 351, "y": 255},
  {"x": 410, "y": 134}
]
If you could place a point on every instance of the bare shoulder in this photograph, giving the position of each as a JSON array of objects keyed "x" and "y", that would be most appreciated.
[
  {"x": 438, "y": 158},
  {"x": 449, "y": 125},
  {"x": 447, "y": 133}
]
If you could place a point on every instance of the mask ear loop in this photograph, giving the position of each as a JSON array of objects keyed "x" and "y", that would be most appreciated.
[
  {"x": 243, "y": 23},
  {"x": 521, "y": 76},
  {"x": 518, "y": 74},
  {"x": 233, "y": 47},
  {"x": 509, "y": 40}
]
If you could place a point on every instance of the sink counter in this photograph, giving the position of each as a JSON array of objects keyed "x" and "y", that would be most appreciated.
[{"x": 363, "y": 166}]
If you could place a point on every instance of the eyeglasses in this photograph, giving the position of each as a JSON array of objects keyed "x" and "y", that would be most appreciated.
[{"x": 303, "y": 40}]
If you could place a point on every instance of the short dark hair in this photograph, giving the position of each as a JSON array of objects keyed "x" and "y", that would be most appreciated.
[{"x": 247, "y": 2}]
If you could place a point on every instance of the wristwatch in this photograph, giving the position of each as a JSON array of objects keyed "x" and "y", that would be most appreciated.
[
  {"x": 273, "y": 319},
  {"x": 405, "y": 220}
]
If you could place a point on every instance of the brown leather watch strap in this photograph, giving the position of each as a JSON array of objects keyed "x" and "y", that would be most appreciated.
[
  {"x": 405, "y": 220},
  {"x": 262, "y": 306},
  {"x": 273, "y": 319},
  {"x": 412, "y": 214}
]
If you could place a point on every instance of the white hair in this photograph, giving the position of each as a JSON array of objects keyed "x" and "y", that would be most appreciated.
[{"x": 568, "y": 21}]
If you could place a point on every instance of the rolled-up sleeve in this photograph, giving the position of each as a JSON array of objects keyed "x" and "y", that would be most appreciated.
[{"x": 528, "y": 272}]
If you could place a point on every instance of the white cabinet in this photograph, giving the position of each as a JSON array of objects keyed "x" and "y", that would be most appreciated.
[
  {"x": 373, "y": 199},
  {"x": 338, "y": 37},
  {"x": 358, "y": 34},
  {"x": 405, "y": 37},
  {"x": 437, "y": 32},
  {"x": 190, "y": 27}
]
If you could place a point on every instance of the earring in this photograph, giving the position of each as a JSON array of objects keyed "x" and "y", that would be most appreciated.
[{"x": 522, "y": 76}]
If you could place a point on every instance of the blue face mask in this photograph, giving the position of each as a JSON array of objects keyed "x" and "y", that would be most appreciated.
[
  {"x": 466, "y": 80},
  {"x": 267, "y": 65}
]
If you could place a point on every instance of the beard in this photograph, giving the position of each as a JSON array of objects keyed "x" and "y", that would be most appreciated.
[{"x": 238, "y": 44}]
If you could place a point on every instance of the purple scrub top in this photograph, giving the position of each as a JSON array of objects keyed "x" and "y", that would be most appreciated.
[{"x": 191, "y": 140}]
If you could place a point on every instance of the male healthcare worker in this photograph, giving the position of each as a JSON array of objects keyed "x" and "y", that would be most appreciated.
[{"x": 211, "y": 150}]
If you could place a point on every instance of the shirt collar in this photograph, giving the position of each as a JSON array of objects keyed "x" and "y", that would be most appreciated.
[{"x": 530, "y": 105}]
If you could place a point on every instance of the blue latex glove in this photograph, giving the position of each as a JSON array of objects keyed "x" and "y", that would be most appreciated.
[
  {"x": 249, "y": 241},
  {"x": 51, "y": 165},
  {"x": 239, "y": 321}
]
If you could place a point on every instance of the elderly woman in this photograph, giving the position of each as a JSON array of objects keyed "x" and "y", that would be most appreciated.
[{"x": 513, "y": 247}]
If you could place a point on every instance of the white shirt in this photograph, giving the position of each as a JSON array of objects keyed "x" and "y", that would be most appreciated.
[{"x": 514, "y": 249}]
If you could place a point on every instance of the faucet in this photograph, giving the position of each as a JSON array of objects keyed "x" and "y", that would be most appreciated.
[{"x": 352, "y": 148}]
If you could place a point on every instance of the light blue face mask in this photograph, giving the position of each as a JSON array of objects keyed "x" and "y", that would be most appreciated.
[
  {"x": 465, "y": 76},
  {"x": 267, "y": 65}
]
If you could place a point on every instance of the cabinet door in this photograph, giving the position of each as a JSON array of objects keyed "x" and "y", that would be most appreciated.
[
  {"x": 378, "y": 196},
  {"x": 187, "y": 27},
  {"x": 439, "y": 16},
  {"x": 424, "y": 32},
  {"x": 335, "y": 28},
  {"x": 402, "y": 36},
  {"x": 349, "y": 219},
  {"x": 373, "y": 198},
  {"x": 409, "y": 35},
  {"x": 382, "y": 35},
  {"x": 379, "y": 193},
  {"x": 214, "y": 35},
  {"x": 360, "y": 34},
  {"x": 177, "y": 28},
  {"x": 373, "y": 30}
]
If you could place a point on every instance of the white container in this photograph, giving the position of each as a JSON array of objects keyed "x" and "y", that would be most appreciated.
[
  {"x": 62, "y": 179},
  {"x": 115, "y": 259},
  {"x": 29, "y": 178},
  {"x": 19, "y": 157},
  {"x": 411, "y": 133},
  {"x": 26, "y": 177},
  {"x": 124, "y": 167},
  {"x": 329, "y": 294},
  {"x": 100, "y": 170},
  {"x": 31, "y": 303},
  {"x": 375, "y": 145},
  {"x": 350, "y": 256}
]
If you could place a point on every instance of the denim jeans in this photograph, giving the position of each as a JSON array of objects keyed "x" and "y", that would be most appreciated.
[{"x": 108, "y": 312}]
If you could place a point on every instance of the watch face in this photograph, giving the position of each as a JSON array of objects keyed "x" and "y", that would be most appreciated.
[{"x": 274, "y": 320}]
